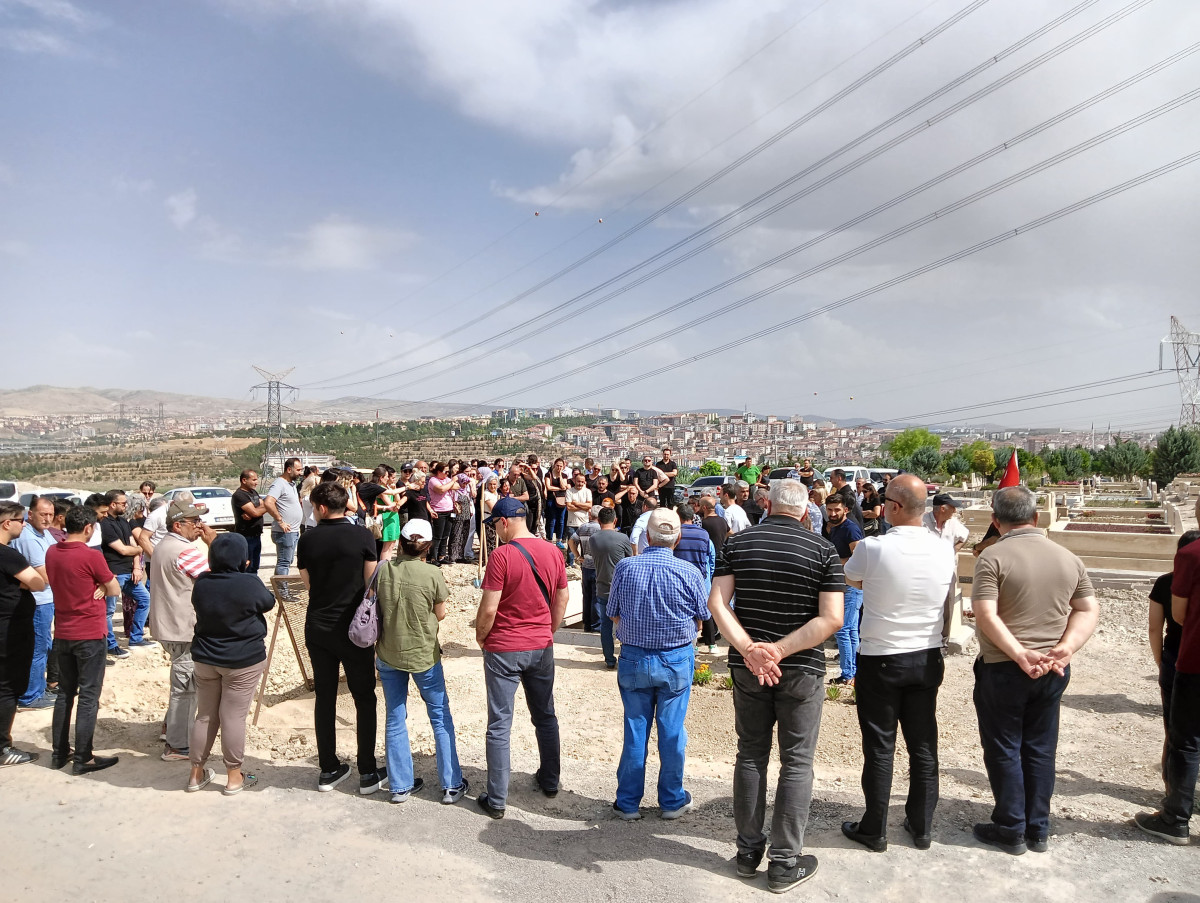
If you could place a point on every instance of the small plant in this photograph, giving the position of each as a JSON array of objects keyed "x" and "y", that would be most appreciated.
[
  {"x": 727, "y": 682},
  {"x": 833, "y": 691},
  {"x": 703, "y": 675}
]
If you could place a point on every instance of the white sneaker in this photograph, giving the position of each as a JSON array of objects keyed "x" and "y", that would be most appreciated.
[
  {"x": 454, "y": 794},
  {"x": 675, "y": 813}
]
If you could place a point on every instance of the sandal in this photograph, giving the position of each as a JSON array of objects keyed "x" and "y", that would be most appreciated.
[
  {"x": 248, "y": 780},
  {"x": 209, "y": 774}
]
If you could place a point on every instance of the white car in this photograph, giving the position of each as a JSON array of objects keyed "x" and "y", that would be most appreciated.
[{"x": 218, "y": 500}]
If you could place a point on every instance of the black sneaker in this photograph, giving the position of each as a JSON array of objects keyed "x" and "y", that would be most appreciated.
[
  {"x": 488, "y": 809},
  {"x": 872, "y": 843},
  {"x": 57, "y": 761},
  {"x": 98, "y": 763},
  {"x": 369, "y": 783},
  {"x": 119, "y": 652},
  {"x": 747, "y": 864},
  {"x": 1152, "y": 823},
  {"x": 330, "y": 779},
  {"x": 10, "y": 755},
  {"x": 920, "y": 841},
  {"x": 402, "y": 796},
  {"x": 1037, "y": 844},
  {"x": 782, "y": 878},
  {"x": 990, "y": 834},
  {"x": 537, "y": 785}
]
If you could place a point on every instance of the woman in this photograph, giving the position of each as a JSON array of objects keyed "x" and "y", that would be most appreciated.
[
  {"x": 411, "y": 600},
  {"x": 308, "y": 517},
  {"x": 872, "y": 510},
  {"x": 387, "y": 507},
  {"x": 493, "y": 489},
  {"x": 556, "y": 486},
  {"x": 440, "y": 507},
  {"x": 229, "y": 656},
  {"x": 463, "y": 496},
  {"x": 345, "y": 479}
]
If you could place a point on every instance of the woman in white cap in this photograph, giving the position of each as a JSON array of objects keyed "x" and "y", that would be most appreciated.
[{"x": 411, "y": 598}]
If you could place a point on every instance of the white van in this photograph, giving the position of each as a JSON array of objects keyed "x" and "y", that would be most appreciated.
[{"x": 854, "y": 472}]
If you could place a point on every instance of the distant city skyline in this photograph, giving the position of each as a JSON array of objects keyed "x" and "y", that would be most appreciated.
[{"x": 358, "y": 189}]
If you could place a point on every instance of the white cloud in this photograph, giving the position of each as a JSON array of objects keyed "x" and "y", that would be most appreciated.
[
  {"x": 181, "y": 208},
  {"x": 35, "y": 40},
  {"x": 49, "y": 27},
  {"x": 60, "y": 11},
  {"x": 337, "y": 243}
]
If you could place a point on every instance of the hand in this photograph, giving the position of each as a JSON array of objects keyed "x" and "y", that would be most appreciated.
[
  {"x": 1035, "y": 664},
  {"x": 285, "y": 526},
  {"x": 98, "y": 593},
  {"x": 1059, "y": 658},
  {"x": 762, "y": 660},
  {"x": 433, "y": 515}
]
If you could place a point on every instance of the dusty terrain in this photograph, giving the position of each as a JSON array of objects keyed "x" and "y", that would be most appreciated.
[{"x": 131, "y": 833}]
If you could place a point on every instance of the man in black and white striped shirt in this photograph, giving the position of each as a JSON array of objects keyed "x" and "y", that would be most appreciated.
[{"x": 789, "y": 587}]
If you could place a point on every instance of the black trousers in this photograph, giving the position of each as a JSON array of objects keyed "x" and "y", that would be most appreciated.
[
  {"x": 1183, "y": 750},
  {"x": 899, "y": 689},
  {"x": 442, "y": 525},
  {"x": 81, "y": 672},
  {"x": 16, "y": 658},
  {"x": 328, "y": 651}
]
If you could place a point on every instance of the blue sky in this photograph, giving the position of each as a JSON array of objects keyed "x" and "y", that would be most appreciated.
[{"x": 349, "y": 188}]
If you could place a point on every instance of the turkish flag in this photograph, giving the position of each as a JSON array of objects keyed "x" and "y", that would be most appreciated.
[{"x": 1012, "y": 473}]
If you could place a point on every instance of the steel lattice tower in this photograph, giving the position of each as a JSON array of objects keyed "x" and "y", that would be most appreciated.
[
  {"x": 275, "y": 388},
  {"x": 1186, "y": 346}
]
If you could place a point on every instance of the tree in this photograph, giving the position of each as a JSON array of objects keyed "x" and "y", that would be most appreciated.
[
  {"x": 983, "y": 461},
  {"x": 905, "y": 444},
  {"x": 955, "y": 464},
  {"x": 1178, "y": 451},
  {"x": 925, "y": 461},
  {"x": 710, "y": 469},
  {"x": 1122, "y": 459}
]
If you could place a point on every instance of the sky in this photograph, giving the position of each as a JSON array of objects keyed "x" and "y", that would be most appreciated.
[{"x": 468, "y": 202}]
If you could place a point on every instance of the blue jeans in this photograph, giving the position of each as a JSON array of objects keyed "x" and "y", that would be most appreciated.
[
  {"x": 431, "y": 685},
  {"x": 655, "y": 685},
  {"x": 285, "y": 550},
  {"x": 43, "y": 620},
  {"x": 254, "y": 551},
  {"x": 556, "y": 522},
  {"x": 847, "y": 637},
  {"x": 606, "y": 630},
  {"x": 141, "y": 595},
  {"x": 534, "y": 671},
  {"x": 110, "y": 603},
  {"x": 1018, "y": 727}
]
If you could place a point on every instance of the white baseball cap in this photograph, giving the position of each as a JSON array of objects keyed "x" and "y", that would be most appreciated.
[{"x": 417, "y": 529}]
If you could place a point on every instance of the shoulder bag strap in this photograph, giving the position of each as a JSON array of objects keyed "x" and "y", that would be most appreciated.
[{"x": 536, "y": 576}]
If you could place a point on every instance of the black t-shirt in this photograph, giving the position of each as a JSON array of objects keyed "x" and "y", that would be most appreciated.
[
  {"x": 15, "y": 600},
  {"x": 254, "y": 526},
  {"x": 333, "y": 553},
  {"x": 647, "y": 480},
  {"x": 598, "y": 498},
  {"x": 1161, "y": 594},
  {"x": 807, "y": 476},
  {"x": 717, "y": 529},
  {"x": 367, "y": 494},
  {"x": 670, "y": 468},
  {"x": 113, "y": 529},
  {"x": 753, "y": 512}
]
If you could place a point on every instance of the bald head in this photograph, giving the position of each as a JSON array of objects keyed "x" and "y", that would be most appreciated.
[{"x": 908, "y": 492}]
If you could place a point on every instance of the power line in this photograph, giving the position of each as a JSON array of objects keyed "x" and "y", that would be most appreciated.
[
  {"x": 905, "y": 277},
  {"x": 778, "y": 136},
  {"x": 574, "y": 311}
]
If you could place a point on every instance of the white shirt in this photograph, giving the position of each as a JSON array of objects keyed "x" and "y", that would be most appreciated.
[
  {"x": 954, "y": 530},
  {"x": 578, "y": 518},
  {"x": 906, "y": 576},
  {"x": 736, "y": 518},
  {"x": 639, "y": 537},
  {"x": 156, "y": 525}
]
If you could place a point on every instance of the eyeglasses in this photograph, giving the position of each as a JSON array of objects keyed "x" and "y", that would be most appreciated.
[{"x": 893, "y": 501}]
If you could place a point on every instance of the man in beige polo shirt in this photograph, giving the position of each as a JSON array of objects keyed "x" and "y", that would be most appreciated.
[{"x": 1035, "y": 608}]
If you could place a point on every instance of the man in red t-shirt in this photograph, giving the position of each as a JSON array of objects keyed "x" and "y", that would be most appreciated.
[
  {"x": 80, "y": 638},
  {"x": 524, "y": 599}
]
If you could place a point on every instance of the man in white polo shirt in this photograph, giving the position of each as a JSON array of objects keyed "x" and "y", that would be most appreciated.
[
  {"x": 906, "y": 576},
  {"x": 943, "y": 520}
]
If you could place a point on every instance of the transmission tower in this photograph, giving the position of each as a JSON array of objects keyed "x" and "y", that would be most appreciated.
[
  {"x": 1186, "y": 346},
  {"x": 275, "y": 389}
]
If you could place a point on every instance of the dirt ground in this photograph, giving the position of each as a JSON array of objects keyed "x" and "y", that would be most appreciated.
[{"x": 131, "y": 833}]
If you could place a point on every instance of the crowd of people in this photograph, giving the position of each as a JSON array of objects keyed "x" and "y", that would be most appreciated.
[{"x": 774, "y": 567}]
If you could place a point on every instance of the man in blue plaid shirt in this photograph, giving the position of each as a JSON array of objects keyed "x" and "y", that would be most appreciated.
[{"x": 657, "y": 602}]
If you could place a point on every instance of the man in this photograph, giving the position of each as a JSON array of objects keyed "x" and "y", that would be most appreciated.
[
  {"x": 735, "y": 517},
  {"x": 805, "y": 473},
  {"x": 747, "y": 472},
  {"x": 1034, "y": 608},
  {"x": 124, "y": 558},
  {"x": 581, "y": 548},
  {"x": 1182, "y": 754},
  {"x": 98, "y": 502},
  {"x": 34, "y": 541},
  {"x": 602, "y": 495},
  {"x": 906, "y": 579},
  {"x": 578, "y": 503},
  {"x": 789, "y": 590},
  {"x": 155, "y": 527},
  {"x": 753, "y": 501},
  {"x": 524, "y": 599},
  {"x": 637, "y": 536},
  {"x": 837, "y": 480},
  {"x": 696, "y": 547},
  {"x": 337, "y": 559},
  {"x": 608, "y": 546},
  {"x": 944, "y": 523},
  {"x": 81, "y": 636},
  {"x": 859, "y": 482},
  {"x": 18, "y": 583},
  {"x": 248, "y": 513},
  {"x": 283, "y": 504},
  {"x": 845, "y": 535},
  {"x": 656, "y": 603},
  {"x": 1181, "y": 697},
  {"x": 714, "y": 525},
  {"x": 174, "y": 567},
  {"x": 649, "y": 478},
  {"x": 669, "y": 469}
]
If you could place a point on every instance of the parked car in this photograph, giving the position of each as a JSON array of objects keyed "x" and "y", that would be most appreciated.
[
  {"x": 852, "y": 471},
  {"x": 27, "y": 497},
  {"x": 702, "y": 483},
  {"x": 218, "y": 500},
  {"x": 8, "y": 492}
]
